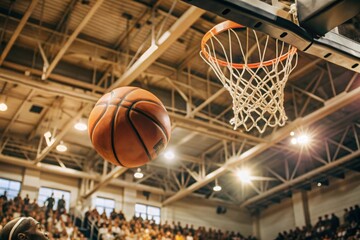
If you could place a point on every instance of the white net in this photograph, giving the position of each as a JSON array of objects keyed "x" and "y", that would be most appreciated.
[{"x": 257, "y": 89}]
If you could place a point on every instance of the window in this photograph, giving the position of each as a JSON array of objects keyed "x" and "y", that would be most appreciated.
[
  {"x": 45, "y": 192},
  {"x": 11, "y": 187},
  {"x": 104, "y": 204},
  {"x": 147, "y": 212}
]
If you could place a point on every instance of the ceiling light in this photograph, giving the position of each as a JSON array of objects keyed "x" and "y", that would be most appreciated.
[
  {"x": 138, "y": 174},
  {"x": 303, "y": 139},
  {"x": 61, "y": 147},
  {"x": 294, "y": 141},
  {"x": 169, "y": 155},
  {"x": 217, "y": 188},
  {"x": 319, "y": 184},
  {"x": 244, "y": 175},
  {"x": 292, "y": 134},
  {"x": 80, "y": 126},
  {"x": 3, "y": 107}
]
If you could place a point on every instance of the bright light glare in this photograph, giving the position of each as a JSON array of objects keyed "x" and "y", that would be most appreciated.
[
  {"x": 217, "y": 188},
  {"x": 169, "y": 155},
  {"x": 294, "y": 141},
  {"x": 292, "y": 133},
  {"x": 244, "y": 175},
  {"x": 80, "y": 126},
  {"x": 303, "y": 139},
  {"x": 61, "y": 147},
  {"x": 3, "y": 107}
]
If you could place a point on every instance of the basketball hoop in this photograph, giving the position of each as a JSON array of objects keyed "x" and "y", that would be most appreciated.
[{"x": 254, "y": 74}]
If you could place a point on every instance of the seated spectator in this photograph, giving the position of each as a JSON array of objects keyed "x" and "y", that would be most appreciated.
[{"x": 4, "y": 196}]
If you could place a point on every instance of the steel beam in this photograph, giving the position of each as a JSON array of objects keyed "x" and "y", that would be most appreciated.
[
  {"x": 57, "y": 89},
  {"x": 105, "y": 180},
  {"x": 206, "y": 102},
  {"x": 61, "y": 134},
  {"x": 302, "y": 178},
  {"x": 16, "y": 115},
  {"x": 72, "y": 37},
  {"x": 331, "y": 106},
  {"x": 18, "y": 29},
  {"x": 50, "y": 87},
  {"x": 156, "y": 50},
  {"x": 43, "y": 118},
  {"x": 68, "y": 172}
]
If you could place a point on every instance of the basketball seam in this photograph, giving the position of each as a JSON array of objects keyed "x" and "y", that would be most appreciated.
[
  {"x": 138, "y": 100},
  {"x": 152, "y": 119},
  {"x": 113, "y": 125},
  {"x": 96, "y": 123},
  {"x": 137, "y": 133},
  {"x": 138, "y": 110}
]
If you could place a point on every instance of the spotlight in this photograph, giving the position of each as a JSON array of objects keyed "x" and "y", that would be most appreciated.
[
  {"x": 292, "y": 134},
  {"x": 294, "y": 141},
  {"x": 303, "y": 139},
  {"x": 169, "y": 155},
  {"x": 61, "y": 147},
  {"x": 319, "y": 184},
  {"x": 217, "y": 188},
  {"x": 138, "y": 174},
  {"x": 80, "y": 126},
  {"x": 244, "y": 175},
  {"x": 3, "y": 106}
]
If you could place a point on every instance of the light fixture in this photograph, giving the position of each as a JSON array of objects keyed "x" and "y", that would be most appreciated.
[
  {"x": 61, "y": 147},
  {"x": 81, "y": 126},
  {"x": 244, "y": 175},
  {"x": 217, "y": 187},
  {"x": 319, "y": 184},
  {"x": 48, "y": 138},
  {"x": 293, "y": 141},
  {"x": 138, "y": 174},
  {"x": 3, "y": 105},
  {"x": 47, "y": 134},
  {"x": 169, "y": 155},
  {"x": 303, "y": 139}
]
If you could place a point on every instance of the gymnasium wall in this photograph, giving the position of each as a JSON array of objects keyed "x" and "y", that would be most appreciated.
[
  {"x": 286, "y": 215},
  {"x": 338, "y": 195},
  {"x": 194, "y": 211},
  {"x": 276, "y": 218},
  {"x": 191, "y": 210}
]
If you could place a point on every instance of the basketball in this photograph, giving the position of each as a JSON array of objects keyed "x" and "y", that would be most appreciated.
[{"x": 129, "y": 126}]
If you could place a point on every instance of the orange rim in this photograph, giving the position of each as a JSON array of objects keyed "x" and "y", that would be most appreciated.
[{"x": 221, "y": 27}]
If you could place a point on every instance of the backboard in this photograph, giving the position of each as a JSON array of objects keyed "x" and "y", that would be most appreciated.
[{"x": 315, "y": 31}]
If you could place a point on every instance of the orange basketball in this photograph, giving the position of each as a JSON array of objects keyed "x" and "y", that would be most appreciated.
[{"x": 129, "y": 126}]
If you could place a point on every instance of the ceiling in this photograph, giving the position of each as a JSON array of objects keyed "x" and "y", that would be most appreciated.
[{"x": 58, "y": 57}]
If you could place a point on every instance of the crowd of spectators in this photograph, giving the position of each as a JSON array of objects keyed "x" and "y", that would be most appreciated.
[
  {"x": 57, "y": 222},
  {"x": 60, "y": 225},
  {"x": 328, "y": 228},
  {"x": 117, "y": 227}
]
